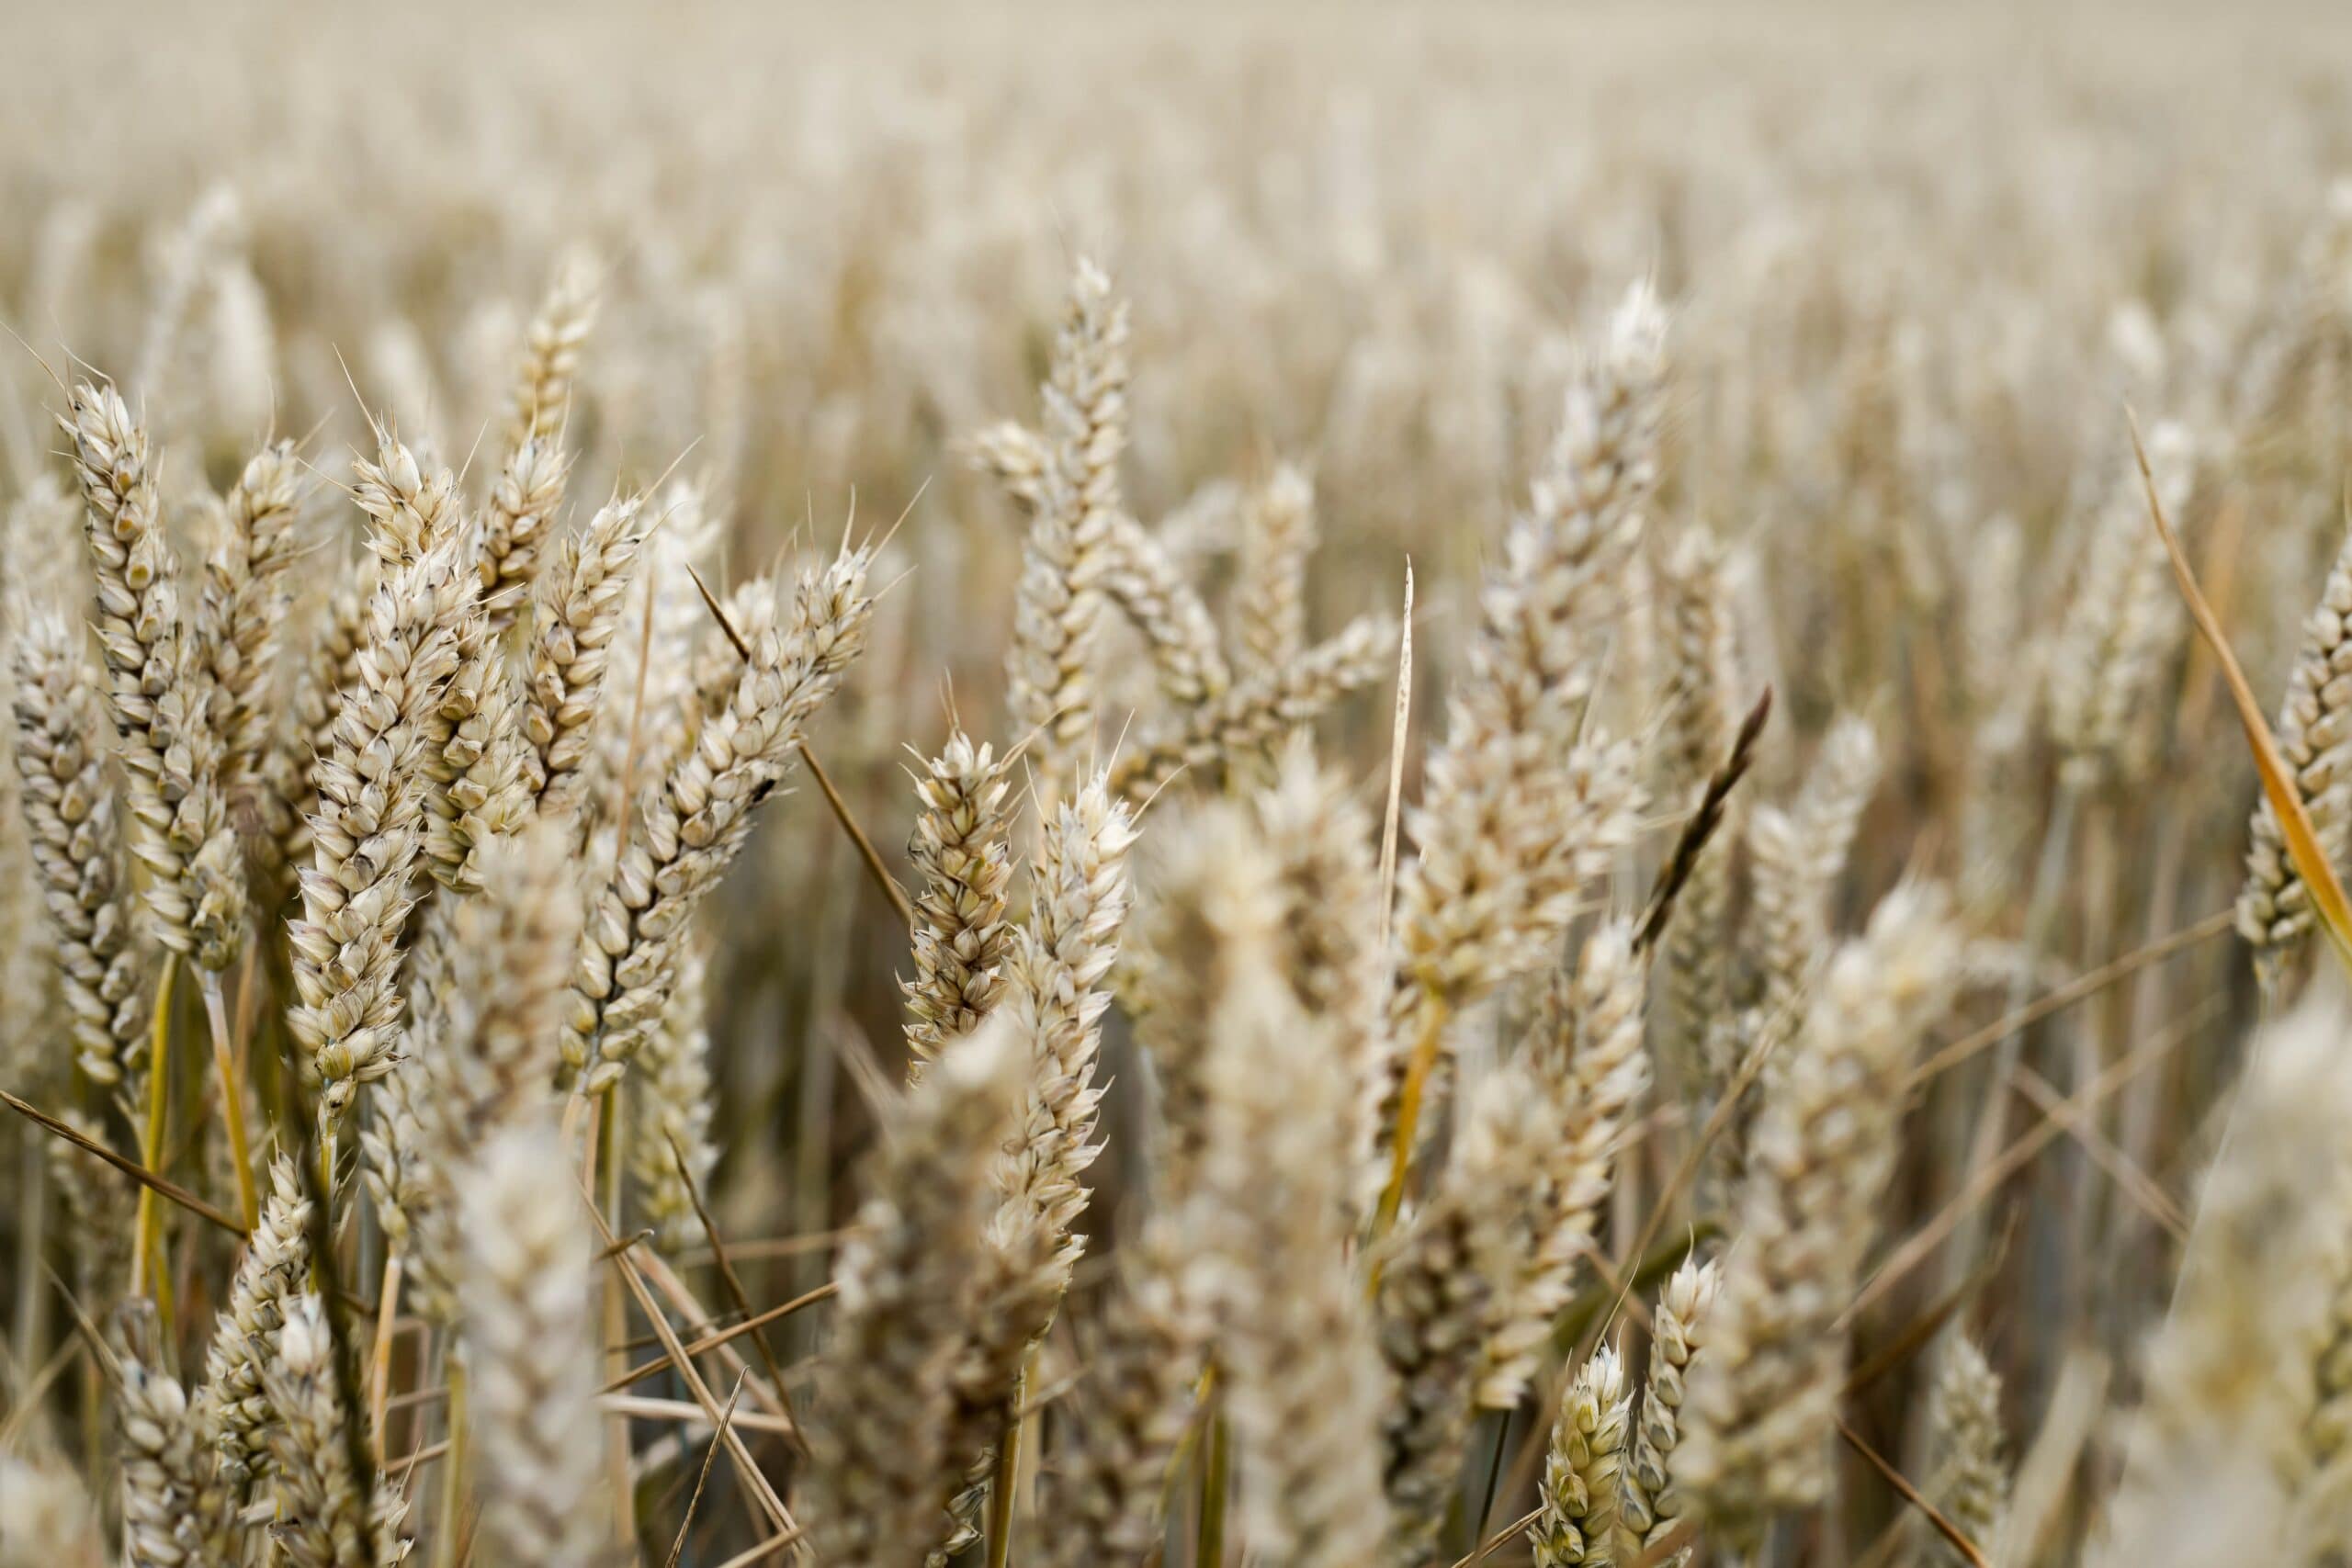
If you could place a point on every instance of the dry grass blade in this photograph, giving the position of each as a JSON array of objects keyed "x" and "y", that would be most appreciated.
[
  {"x": 754, "y": 1479},
  {"x": 1392, "y": 814},
  {"x": 866, "y": 854},
  {"x": 733, "y": 1332},
  {"x": 132, "y": 1169},
  {"x": 1910, "y": 1495},
  {"x": 702, "y": 1476},
  {"x": 1702, "y": 824},
  {"x": 1922, "y": 1243},
  {"x": 751, "y": 1323},
  {"x": 2080, "y": 988}
]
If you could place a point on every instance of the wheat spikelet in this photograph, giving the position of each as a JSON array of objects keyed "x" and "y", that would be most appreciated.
[
  {"x": 1582, "y": 1468},
  {"x": 662, "y": 620},
  {"x": 1252, "y": 714},
  {"x": 1214, "y": 914},
  {"x": 1017, "y": 1287},
  {"x": 2328, "y": 1431},
  {"x": 1758, "y": 1417},
  {"x": 521, "y": 508},
  {"x": 275, "y": 1266},
  {"x": 1137, "y": 573},
  {"x": 1799, "y": 853},
  {"x": 212, "y": 226},
  {"x": 1049, "y": 673},
  {"x": 96, "y": 1209},
  {"x": 413, "y": 503},
  {"x": 1132, "y": 1415},
  {"x": 695, "y": 818},
  {"x": 1142, "y": 580},
  {"x": 1015, "y": 455},
  {"x": 1208, "y": 892},
  {"x": 961, "y": 851},
  {"x": 74, "y": 843},
  {"x": 1054, "y": 1000},
  {"x": 327, "y": 666},
  {"x": 1649, "y": 1504},
  {"x": 477, "y": 759},
  {"x": 882, "y": 1470},
  {"x": 530, "y": 1347},
  {"x": 1505, "y": 831},
  {"x": 1327, "y": 875},
  {"x": 478, "y": 1052},
  {"x": 1051, "y": 1002}
]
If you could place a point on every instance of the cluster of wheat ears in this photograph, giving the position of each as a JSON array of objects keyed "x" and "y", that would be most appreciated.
[{"x": 1612, "y": 882}]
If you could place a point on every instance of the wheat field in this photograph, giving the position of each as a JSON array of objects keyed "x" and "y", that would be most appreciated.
[{"x": 1334, "y": 787}]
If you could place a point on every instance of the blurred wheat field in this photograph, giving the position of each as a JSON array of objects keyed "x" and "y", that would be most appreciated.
[{"x": 1399, "y": 784}]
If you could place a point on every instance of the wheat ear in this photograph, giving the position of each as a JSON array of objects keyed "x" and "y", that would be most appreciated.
[
  {"x": 275, "y": 1266},
  {"x": 1304, "y": 1384},
  {"x": 883, "y": 1470},
  {"x": 550, "y": 359},
  {"x": 1582, "y": 1468},
  {"x": 368, "y": 832},
  {"x": 961, "y": 851},
  {"x": 160, "y": 690},
  {"x": 693, "y": 821},
  {"x": 1761, "y": 1404},
  {"x": 323, "y": 1510},
  {"x": 530, "y": 1347},
  {"x": 75, "y": 845},
  {"x": 1649, "y": 1504},
  {"x": 1049, "y": 671},
  {"x": 1969, "y": 1483},
  {"x": 2314, "y": 736},
  {"x": 574, "y": 622}
]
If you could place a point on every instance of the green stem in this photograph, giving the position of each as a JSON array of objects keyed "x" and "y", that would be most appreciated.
[
  {"x": 151, "y": 1144},
  {"x": 453, "y": 1467},
  {"x": 1008, "y": 1472},
  {"x": 1216, "y": 1464}
]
